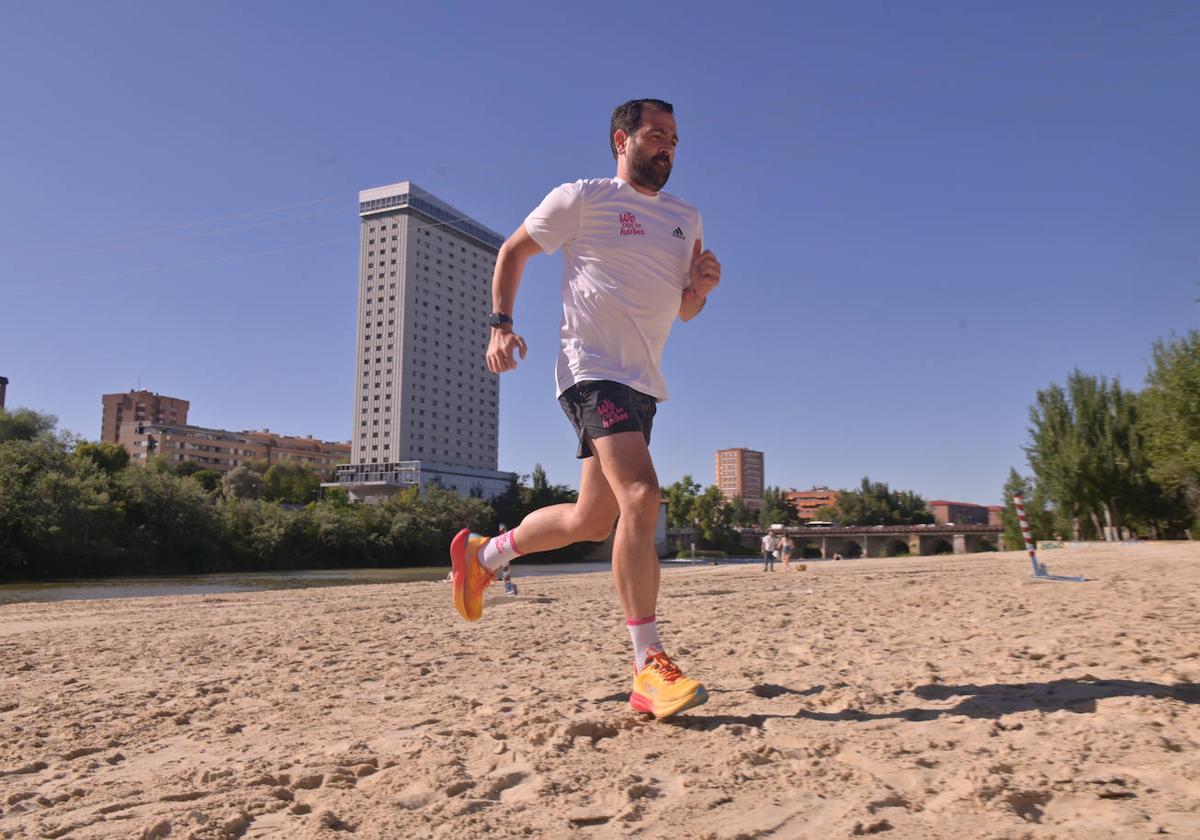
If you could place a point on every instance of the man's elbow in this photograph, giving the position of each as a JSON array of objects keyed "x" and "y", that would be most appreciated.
[{"x": 519, "y": 247}]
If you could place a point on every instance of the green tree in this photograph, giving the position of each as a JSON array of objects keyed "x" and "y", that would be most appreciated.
[
  {"x": 1041, "y": 520},
  {"x": 712, "y": 516},
  {"x": 24, "y": 424},
  {"x": 776, "y": 509},
  {"x": 681, "y": 500},
  {"x": 1086, "y": 453},
  {"x": 874, "y": 503},
  {"x": 542, "y": 493},
  {"x": 210, "y": 480},
  {"x": 292, "y": 482},
  {"x": 173, "y": 525},
  {"x": 108, "y": 456},
  {"x": 418, "y": 525},
  {"x": 741, "y": 515},
  {"x": 337, "y": 497},
  {"x": 1171, "y": 416},
  {"x": 509, "y": 506},
  {"x": 273, "y": 536},
  {"x": 243, "y": 482},
  {"x": 337, "y": 535},
  {"x": 57, "y": 514}
]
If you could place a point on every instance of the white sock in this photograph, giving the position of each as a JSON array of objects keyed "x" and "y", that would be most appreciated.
[
  {"x": 644, "y": 633},
  {"x": 498, "y": 551}
]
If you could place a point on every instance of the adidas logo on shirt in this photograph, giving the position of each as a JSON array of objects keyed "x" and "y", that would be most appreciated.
[{"x": 678, "y": 234}]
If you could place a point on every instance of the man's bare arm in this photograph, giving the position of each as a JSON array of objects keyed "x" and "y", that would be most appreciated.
[
  {"x": 691, "y": 306},
  {"x": 703, "y": 276},
  {"x": 505, "y": 344}
]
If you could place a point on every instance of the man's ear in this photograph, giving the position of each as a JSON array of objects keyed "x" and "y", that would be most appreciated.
[{"x": 620, "y": 138}]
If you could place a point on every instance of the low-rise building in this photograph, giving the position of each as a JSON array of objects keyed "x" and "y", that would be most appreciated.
[
  {"x": 958, "y": 513},
  {"x": 223, "y": 450},
  {"x": 808, "y": 502}
]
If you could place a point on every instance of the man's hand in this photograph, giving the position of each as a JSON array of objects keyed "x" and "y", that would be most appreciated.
[
  {"x": 704, "y": 274},
  {"x": 502, "y": 349}
]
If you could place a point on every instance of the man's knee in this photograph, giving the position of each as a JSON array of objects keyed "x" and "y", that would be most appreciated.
[
  {"x": 593, "y": 525},
  {"x": 640, "y": 498},
  {"x": 596, "y": 530}
]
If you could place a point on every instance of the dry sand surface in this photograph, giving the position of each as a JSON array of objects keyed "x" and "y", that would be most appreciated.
[{"x": 933, "y": 697}]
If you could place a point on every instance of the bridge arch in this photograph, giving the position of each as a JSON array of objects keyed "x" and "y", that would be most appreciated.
[
  {"x": 937, "y": 544},
  {"x": 883, "y": 540},
  {"x": 851, "y": 550},
  {"x": 981, "y": 542},
  {"x": 808, "y": 549}
]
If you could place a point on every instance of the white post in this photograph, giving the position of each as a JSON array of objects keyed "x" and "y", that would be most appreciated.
[{"x": 1019, "y": 503}]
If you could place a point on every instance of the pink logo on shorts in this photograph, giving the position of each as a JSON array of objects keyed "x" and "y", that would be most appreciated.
[{"x": 611, "y": 413}]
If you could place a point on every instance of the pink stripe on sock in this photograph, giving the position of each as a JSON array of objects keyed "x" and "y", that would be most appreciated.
[
  {"x": 512, "y": 538},
  {"x": 634, "y": 622}
]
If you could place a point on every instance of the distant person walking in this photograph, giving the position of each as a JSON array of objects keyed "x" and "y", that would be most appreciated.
[
  {"x": 503, "y": 574},
  {"x": 770, "y": 546},
  {"x": 786, "y": 547},
  {"x": 510, "y": 588}
]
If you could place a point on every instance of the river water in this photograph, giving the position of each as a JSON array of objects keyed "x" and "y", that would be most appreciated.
[{"x": 142, "y": 587}]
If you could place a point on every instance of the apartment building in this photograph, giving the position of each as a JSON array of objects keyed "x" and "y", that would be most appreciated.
[
  {"x": 222, "y": 450},
  {"x": 740, "y": 474},
  {"x": 137, "y": 407}
]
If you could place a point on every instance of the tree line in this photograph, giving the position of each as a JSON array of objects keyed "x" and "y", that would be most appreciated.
[
  {"x": 70, "y": 507},
  {"x": 717, "y": 519},
  {"x": 1108, "y": 462}
]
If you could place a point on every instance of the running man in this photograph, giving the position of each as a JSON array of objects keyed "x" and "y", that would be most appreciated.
[{"x": 633, "y": 260}]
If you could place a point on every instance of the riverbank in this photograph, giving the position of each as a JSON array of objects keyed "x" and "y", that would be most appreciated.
[
  {"x": 914, "y": 698},
  {"x": 87, "y": 589}
]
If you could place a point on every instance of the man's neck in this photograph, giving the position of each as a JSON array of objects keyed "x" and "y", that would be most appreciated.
[{"x": 624, "y": 176}]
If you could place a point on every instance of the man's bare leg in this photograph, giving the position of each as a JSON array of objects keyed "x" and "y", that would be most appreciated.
[
  {"x": 625, "y": 461},
  {"x": 591, "y": 517},
  {"x": 659, "y": 687},
  {"x": 475, "y": 559}
]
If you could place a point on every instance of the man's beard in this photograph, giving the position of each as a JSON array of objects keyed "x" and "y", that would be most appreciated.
[{"x": 649, "y": 172}]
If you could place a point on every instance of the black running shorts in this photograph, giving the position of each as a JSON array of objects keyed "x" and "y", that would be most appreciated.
[{"x": 599, "y": 408}]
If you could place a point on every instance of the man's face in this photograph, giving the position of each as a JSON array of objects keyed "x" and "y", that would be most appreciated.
[{"x": 651, "y": 149}]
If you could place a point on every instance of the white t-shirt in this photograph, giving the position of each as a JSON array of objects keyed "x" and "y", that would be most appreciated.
[{"x": 625, "y": 263}]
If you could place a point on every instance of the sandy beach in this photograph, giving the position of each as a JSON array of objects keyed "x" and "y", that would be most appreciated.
[{"x": 932, "y": 697}]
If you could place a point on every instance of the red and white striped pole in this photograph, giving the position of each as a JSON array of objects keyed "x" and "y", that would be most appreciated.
[{"x": 1019, "y": 503}]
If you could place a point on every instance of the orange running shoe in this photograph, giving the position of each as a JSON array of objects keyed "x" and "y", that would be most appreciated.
[
  {"x": 662, "y": 690},
  {"x": 470, "y": 578}
]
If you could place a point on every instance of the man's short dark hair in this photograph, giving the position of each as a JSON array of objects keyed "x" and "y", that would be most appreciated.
[{"x": 627, "y": 117}]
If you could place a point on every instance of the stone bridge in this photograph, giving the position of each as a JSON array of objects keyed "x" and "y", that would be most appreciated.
[{"x": 884, "y": 540}]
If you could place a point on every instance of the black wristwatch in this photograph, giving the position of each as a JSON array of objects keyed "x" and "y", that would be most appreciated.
[{"x": 498, "y": 318}]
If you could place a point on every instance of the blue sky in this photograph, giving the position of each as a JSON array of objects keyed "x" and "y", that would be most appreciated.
[{"x": 925, "y": 211}]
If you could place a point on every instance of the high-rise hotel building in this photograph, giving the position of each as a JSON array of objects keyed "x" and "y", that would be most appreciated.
[{"x": 425, "y": 405}]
